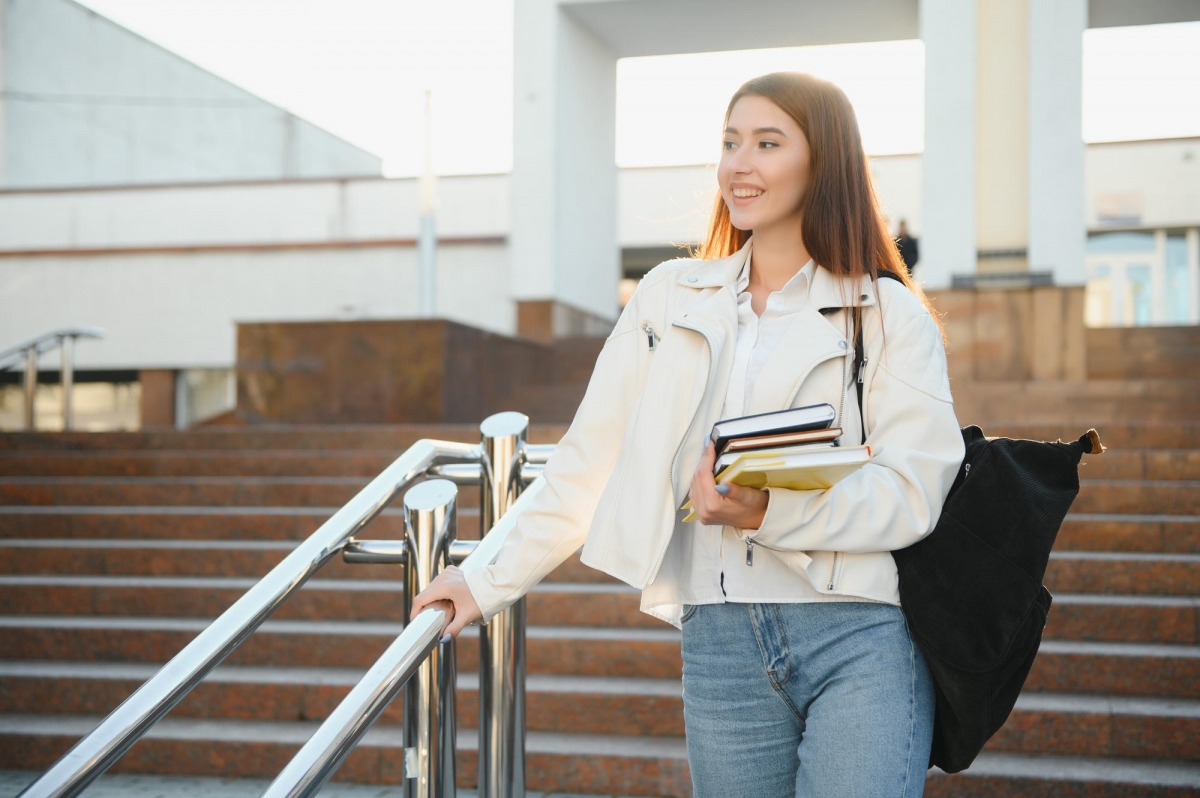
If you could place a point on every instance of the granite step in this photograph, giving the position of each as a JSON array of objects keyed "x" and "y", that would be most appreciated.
[
  {"x": 132, "y": 785},
  {"x": 236, "y": 748},
  {"x": 1143, "y": 573},
  {"x": 214, "y": 463},
  {"x": 193, "y": 491},
  {"x": 594, "y": 764},
  {"x": 216, "y": 558},
  {"x": 1149, "y": 573},
  {"x": 1166, "y": 434},
  {"x": 1114, "y": 532},
  {"x": 1004, "y": 775},
  {"x": 333, "y": 437},
  {"x": 1152, "y": 464},
  {"x": 1073, "y": 616},
  {"x": 1080, "y": 531},
  {"x": 1147, "y": 669},
  {"x": 1142, "y": 435},
  {"x": 577, "y": 704},
  {"x": 197, "y": 523},
  {"x": 1168, "y": 497},
  {"x": 1157, "y": 464},
  {"x": 1081, "y": 724},
  {"x": 548, "y": 604},
  {"x": 581, "y": 651}
]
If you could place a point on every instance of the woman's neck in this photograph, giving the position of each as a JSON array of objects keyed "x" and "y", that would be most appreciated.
[{"x": 776, "y": 255}]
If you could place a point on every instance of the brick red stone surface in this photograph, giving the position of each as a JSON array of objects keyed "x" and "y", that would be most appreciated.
[{"x": 116, "y": 549}]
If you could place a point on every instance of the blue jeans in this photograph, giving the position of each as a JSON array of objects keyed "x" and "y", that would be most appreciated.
[{"x": 810, "y": 700}]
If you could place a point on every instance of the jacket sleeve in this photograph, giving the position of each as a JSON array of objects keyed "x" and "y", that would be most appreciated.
[
  {"x": 916, "y": 446},
  {"x": 556, "y": 522}
]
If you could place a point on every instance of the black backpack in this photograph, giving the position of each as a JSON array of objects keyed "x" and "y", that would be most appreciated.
[{"x": 972, "y": 589}]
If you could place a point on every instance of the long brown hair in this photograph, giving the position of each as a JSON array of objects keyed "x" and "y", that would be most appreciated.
[{"x": 843, "y": 227}]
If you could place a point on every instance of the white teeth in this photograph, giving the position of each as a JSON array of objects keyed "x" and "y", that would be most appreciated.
[{"x": 746, "y": 192}]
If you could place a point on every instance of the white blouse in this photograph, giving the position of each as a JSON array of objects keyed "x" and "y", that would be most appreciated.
[{"x": 713, "y": 576}]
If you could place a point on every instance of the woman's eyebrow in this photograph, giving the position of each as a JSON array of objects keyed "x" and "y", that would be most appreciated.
[{"x": 759, "y": 130}]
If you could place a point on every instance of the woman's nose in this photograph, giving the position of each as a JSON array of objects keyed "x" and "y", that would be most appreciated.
[{"x": 739, "y": 163}]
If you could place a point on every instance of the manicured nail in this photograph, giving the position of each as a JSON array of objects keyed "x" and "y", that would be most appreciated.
[
  {"x": 445, "y": 638},
  {"x": 723, "y": 489}
]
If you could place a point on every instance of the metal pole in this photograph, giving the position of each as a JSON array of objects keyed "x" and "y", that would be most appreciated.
[
  {"x": 31, "y": 359},
  {"x": 502, "y": 641},
  {"x": 68, "y": 381},
  {"x": 428, "y": 733}
]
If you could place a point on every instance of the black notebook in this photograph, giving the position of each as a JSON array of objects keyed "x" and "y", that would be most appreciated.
[{"x": 793, "y": 419}]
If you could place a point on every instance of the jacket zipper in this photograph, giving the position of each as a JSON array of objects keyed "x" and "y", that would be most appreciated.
[
  {"x": 750, "y": 558},
  {"x": 750, "y": 542},
  {"x": 707, "y": 377},
  {"x": 662, "y": 552},
  {"x": 651, "y": 335}
]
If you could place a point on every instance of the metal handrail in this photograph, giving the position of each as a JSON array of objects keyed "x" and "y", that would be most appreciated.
[
  {"x": 126, "y": 724},
  {"x": 31, "y": 350},
  {"x": 45, "y": 343},
  {"x": 318, "y": 758}
]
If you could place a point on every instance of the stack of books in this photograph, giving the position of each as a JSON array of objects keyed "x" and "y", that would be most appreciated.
[{"x": 794, "y": 448}]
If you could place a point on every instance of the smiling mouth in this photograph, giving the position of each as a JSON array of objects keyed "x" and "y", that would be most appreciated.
[{"x": 747, "y": 193}]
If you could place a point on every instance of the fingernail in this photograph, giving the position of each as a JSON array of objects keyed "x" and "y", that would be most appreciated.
[
  {"x": 445, "y": 638},
  {"x": 723, "y": 489},
  {"x": 707, "y": 442}
]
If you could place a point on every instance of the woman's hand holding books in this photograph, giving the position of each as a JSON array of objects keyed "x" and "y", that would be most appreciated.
[{"x": 739, "y": 506}]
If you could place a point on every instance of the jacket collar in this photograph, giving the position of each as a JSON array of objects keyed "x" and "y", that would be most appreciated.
[
  {"x": 809, "y": 338},
  {"x": 826, "y": 290}
]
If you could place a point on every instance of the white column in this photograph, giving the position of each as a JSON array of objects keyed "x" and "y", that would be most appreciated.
[
  {"x": 1158, "y": 278},
  {"x": 1193, "y": 261},
  {"x": 1057, "y": 226},
  {"x": 947, "y": 235},
  {"x": 564, "y": 181}
]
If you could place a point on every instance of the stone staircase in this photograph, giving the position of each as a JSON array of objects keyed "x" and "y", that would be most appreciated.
[{"x": 117, "y": 548}]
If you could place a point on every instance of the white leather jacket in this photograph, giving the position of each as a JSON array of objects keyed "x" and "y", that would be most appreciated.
[{"x": 626, "y": 461}]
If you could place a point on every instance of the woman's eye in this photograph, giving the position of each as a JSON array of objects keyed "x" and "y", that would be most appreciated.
[
  {"x": 769, "y": 143},
  {"x": 727, "y": 145}
]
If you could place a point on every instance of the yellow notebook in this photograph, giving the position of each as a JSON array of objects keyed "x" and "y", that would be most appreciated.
[{"x": 813, "y": 470}]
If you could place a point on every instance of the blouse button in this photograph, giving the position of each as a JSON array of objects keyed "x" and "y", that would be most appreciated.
[
  {"x": 841, "y": 344},
  {"x": 691, "y": 279}
]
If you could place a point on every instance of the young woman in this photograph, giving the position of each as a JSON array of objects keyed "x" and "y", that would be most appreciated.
[{"x": 800, "y": 677}]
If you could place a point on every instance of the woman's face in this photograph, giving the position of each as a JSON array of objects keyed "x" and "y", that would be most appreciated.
[{"x": 764, "y": 165}]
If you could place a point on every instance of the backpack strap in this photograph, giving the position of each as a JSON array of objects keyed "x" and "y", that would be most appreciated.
[{"x": 860, "y": 362}]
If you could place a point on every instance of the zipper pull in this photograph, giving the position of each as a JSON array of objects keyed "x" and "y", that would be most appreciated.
[
  {"x": 862, "y": 368},
  {"x": 649, "y": 334},
  {"x": 749, "y": 551}
]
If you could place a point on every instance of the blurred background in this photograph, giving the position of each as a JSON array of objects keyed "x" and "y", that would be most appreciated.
[
  {"x": 253, "y": 250},
  {"x": 169, "y": 170}
]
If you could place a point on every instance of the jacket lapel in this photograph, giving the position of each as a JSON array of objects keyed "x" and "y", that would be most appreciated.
[{"x": 810, "y": 339}]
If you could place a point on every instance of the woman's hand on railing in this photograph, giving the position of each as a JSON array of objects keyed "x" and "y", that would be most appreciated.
[{"x": 449, "y": 586}]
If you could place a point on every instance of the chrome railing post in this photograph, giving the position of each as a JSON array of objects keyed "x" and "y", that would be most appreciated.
[
  {"x": 31, "y": 371},
  {"x": 68, "y": 381},
  {"x": 502, "y": 641},
  {"x": 428, "y": 733}
]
